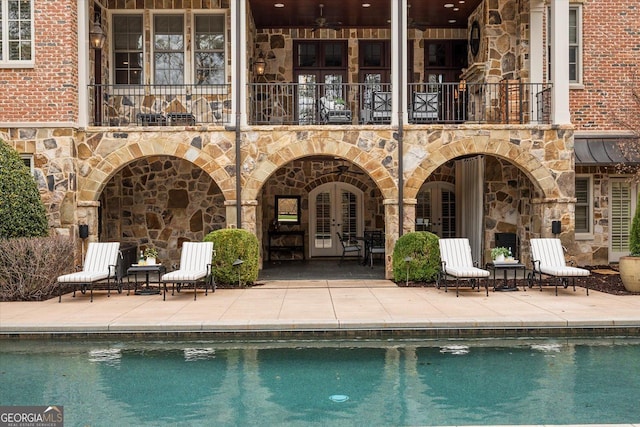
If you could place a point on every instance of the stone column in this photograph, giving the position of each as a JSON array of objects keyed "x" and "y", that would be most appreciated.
[
  {"x": 391, "y": 210},
  {"x": 86, "y": 213},
  {"x": 230, "y": 206},
  {"x": 409, "y": 223}
]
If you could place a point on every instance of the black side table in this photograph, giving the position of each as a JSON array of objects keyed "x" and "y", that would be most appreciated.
[
  {"x": 158, "y": 269},
  {"x": 505, "y": 267}
]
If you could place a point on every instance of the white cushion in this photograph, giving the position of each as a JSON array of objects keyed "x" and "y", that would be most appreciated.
[
  {"x": 456, "y": 254},
  {"x": 195, "y": 258},
  {"x": 549, "y": 253},
  {"x": 99, "y": 263}
]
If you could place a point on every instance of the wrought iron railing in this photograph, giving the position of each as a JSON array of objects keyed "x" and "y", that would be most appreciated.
[
  {"x": 362, "y": 103},
  {"x": 160, "y": 105},
  {"x": 509, "y": 102}
]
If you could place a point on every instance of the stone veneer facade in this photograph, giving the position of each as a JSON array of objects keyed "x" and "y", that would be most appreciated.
[
  {"x": 529, "y": 175},
  {"x": 141, "y": 174}
]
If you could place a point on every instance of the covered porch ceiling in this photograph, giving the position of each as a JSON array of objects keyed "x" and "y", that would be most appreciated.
[{"x": 423, "y": 14}]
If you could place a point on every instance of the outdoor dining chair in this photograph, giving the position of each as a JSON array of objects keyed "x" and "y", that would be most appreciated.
[
  {"x": 456, "y": 262},
  {"x": 348, "y": 247},
  {"x": 547, "y": 257},
  {"x": 99, "y": 264},
  {"x": 375, "y": 245},
  {"x": 195, "y": 267}
]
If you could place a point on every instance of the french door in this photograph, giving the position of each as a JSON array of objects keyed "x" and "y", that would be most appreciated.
[
  {"x": 622, "y": 195},
  {"x": 335, "y": 207},
  {"x": 436, "y": 209}
]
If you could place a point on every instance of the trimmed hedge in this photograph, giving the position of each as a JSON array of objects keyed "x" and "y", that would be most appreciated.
[
  {"x": 231, "y": 244},
  {"x": 422, "y": 249},
  {"x": 22, "y": 213}
]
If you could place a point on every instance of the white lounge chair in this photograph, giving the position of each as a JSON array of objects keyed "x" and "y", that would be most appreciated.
[
  {"x": 195, "y": 267},
  {"x": 99, "y": 264},
  {"x": 455, "y": 256},
  {"x": 547, "y": 257}
]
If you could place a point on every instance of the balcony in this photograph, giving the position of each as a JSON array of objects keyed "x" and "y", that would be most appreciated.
[
  {"x": 160, "y": 105},
  {"x": 508, "y": 102}
]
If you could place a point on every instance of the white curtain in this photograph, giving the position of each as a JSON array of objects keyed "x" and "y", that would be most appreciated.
[{"x": 470, "y": 202}]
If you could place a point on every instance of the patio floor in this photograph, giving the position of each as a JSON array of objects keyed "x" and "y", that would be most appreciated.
[{"x": 347, "y": 307}]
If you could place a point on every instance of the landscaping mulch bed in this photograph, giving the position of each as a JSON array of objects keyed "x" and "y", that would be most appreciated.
[{"x": 603, "y": 278}]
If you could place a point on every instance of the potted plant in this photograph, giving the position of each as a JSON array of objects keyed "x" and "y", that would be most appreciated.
[
  {"x": 630, "y": 265},
  {"x": 151, "y": 254},
  {"x": 500, "y": 253}
]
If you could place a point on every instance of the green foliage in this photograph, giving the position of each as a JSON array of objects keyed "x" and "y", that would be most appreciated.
[
  {"x": 634, "y": 237},
  {"x": 22, "y": 213},
  {"x": 29, "y": 267},
  {"x": 231, "y": 244},
  {"x": 422, "y": 248},
  {"x": 500, "y": 250}
]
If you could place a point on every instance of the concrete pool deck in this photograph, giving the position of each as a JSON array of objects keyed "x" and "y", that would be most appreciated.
[{"x": 332, "y": 307}]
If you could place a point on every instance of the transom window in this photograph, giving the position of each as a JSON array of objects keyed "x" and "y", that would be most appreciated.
[{"x": 16, "y": 32}]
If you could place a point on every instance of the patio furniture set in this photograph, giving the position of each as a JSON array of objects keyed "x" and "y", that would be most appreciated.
[
  {"x": 457, "y": 265},
  {"x": 101, "y": 263}
]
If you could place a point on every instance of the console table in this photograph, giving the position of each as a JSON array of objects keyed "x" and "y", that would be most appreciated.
[{"x": 291, "y": 240}]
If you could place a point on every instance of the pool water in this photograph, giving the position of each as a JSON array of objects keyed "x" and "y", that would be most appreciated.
[{"x": 299, "y": 383}]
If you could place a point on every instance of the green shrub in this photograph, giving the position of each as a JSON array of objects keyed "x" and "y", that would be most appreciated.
[
  {"x": 29, "y": 267},
  {"x": 422, "y": 249},
  {"x": 231, "y": 244},
  {"x": 634, "y": 237},
  {"x": 22, "y": 213}
]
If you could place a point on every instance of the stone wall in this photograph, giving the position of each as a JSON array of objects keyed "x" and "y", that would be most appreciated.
[{"x": 161, "y": 202}]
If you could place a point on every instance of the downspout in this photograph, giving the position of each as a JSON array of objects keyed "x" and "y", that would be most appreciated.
[
  {"x": 238, "y": 81},
  {"x": 400, "y": 91}
]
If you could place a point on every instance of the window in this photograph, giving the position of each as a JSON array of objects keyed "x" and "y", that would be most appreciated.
[
  {"x": 321, "y": 54},
  {"x": 27, "y": 159},
  {"x": 127, "y": 42},
  {"x": 583, "y": 204},
  {"x": 575, "y": 44},
  {"x": 16, "y": 33},
  {"x": 209, "y": 49},
  {"x": 168, "y": 49},
  {"x": 172, "y": 61}
]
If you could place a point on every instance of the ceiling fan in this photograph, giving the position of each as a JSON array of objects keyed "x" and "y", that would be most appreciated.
[
  {"x": 321, "y": 22},
  {"x": 343, "y": 169}
]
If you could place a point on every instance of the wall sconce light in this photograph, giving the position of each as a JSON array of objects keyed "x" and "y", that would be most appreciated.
[
  {"x": 462, "y": 85},
  {"x": 97, "y": 36},
  {"x": 259, "y": 65}
]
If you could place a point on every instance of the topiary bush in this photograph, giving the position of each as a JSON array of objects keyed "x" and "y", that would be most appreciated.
[
  {"x": 422, "y": 248},
  {"x": 231, "y": 244},
  {"x": 22, "y": 213},
  {"x": 29, "y": 267}
]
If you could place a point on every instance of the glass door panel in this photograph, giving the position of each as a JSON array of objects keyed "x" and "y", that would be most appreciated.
[
  {"x": 307, "y": 98},
  {"x": 336, "y": 208}
]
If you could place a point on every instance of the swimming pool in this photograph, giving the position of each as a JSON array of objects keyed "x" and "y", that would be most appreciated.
[{"x": 480, "y": 382}]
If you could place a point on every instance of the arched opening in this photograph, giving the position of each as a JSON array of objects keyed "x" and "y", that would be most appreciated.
[{"x": 160, "y": 201}]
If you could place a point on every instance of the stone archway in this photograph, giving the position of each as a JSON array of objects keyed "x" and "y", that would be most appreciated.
[
  {"x": 91, "y": 183},
  {"x": 320, "y": 145}
]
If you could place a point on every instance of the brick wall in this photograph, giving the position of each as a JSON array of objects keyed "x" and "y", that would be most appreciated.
[
  {"x": 611, "y": 55},
  {"x": 48, "y": 92}
]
